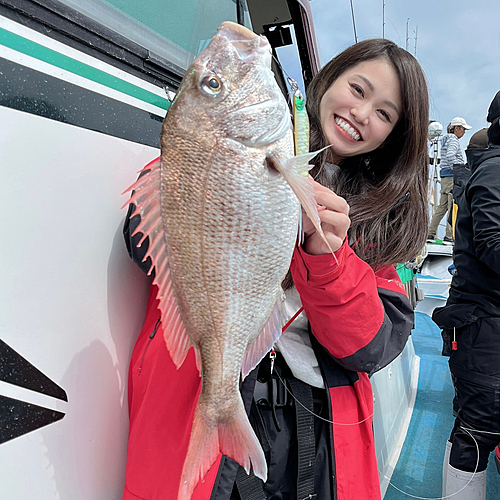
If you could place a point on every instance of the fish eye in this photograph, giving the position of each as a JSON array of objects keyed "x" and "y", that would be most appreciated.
[{"x": 211, "y": 85}]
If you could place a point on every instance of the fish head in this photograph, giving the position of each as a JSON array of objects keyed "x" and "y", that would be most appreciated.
[{"x": 230, "y": 90}]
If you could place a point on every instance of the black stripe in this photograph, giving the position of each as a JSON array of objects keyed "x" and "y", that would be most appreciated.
[
  {"x": 18, "y": 418},
  {"x": 334, "y": 374},
  {"x": 16, "y": 370},
  {"x": 34, "y": 92}
]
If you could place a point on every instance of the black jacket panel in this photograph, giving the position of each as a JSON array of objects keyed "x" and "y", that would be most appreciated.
[{"x": 477, "y": 243}]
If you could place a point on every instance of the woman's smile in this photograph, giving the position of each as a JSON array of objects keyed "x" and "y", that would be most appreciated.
[
  {"x": 361, "y": 108},
  {"x": 348, "y": 129}
]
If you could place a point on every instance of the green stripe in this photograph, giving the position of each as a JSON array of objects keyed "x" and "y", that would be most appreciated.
[{"x": 54, "y": 58}]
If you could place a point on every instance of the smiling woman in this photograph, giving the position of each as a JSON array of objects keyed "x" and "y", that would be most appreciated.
[
  {"x": 371, "y": 104},
  {"x": 361, "y": 108}
]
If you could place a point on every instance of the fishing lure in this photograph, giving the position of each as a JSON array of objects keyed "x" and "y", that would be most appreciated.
[
  {"x": 300, "y": 119},
  {"x": 301, "y": 137}
]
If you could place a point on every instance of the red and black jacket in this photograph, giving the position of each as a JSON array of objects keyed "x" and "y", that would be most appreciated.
[{"x": 360, "y": 321}]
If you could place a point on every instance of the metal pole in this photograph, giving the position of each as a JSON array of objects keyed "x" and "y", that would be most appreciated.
[
  {"x": 383, "y": 19},
  {"x": 407, "y": 21},
  {"x": 354, "y": 24},
  {"x": 435, "y": 176}
]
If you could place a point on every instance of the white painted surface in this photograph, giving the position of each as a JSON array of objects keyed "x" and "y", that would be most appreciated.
[
  {"x": 430, "y": 303},
  {"x": 71, "y": 301},
  {"x": 446, "y": 250},
  {"x": 434, "y": 287},
  {"x": 394, "y": 393},
  {"x": 434, "y": 278}
]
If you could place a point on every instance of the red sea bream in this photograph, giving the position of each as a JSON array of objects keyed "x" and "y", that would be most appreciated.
[{"x": 221, "y": 209}]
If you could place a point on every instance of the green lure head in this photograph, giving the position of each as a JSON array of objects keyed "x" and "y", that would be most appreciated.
[{"x": 299, "y": 101}]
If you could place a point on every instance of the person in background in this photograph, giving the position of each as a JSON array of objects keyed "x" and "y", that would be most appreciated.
[
  {"x": 461, "y": 174},
  {"x": 472, "y": 314},
  {"x": 479, "y": 140},
  {"x": 370, "y": 103},
  {"x": 434, "y": 130},
  {"x": 451, "y": 155}
]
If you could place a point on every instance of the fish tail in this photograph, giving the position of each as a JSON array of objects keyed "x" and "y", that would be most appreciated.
[
  {"x": 239, "y": 442},
  {"x": 235, "y": 438},
  {"x": 202, "y": 453}
]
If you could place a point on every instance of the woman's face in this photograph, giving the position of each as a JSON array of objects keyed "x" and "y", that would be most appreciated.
[{"x": 361, "y": 108}]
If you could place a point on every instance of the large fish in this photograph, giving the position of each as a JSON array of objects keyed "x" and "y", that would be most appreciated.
[{"x": 222, "y": 217}]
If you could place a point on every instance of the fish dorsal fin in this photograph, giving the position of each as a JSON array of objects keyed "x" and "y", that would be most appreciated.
[
  {"x": 146, "y": 198},
  {"x": 295, "y": 171},
  {"x": 266, "y": 339}
]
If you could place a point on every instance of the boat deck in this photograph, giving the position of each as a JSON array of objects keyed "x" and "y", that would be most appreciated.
[{"x": 418, "y": 471}]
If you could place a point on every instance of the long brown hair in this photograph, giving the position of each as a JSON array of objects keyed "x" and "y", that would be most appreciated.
[{"x": 386, "y": 189}]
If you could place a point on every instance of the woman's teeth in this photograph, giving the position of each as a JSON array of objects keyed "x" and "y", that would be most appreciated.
[{"x": 347, "y": 129}]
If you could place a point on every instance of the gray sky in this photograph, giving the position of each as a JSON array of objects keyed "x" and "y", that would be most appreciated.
[{"x": 458, "y": 46}]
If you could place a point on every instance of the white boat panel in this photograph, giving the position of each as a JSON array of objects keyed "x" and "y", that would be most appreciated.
[
  {"x": 394, "y": 393},
  {"x": 433, "y": 249},
  {"x": 71, "y": 302}
]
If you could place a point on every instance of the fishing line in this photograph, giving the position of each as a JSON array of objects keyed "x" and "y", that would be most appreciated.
[
  {"x": 393, "y": 485},
  {"x": 293, "y": 84},
  {"x": 457, "y": 492},
  {"x": 480, "y": 432},
  {"x": 314, "y": 414}
]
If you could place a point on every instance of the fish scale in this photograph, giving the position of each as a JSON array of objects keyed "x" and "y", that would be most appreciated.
[{"x": 221, "y": 211}]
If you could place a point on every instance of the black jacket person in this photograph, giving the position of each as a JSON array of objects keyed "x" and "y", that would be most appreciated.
[{"x": 472, "y": 312}]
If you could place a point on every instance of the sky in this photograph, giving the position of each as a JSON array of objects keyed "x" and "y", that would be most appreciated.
[{"x": 457, "y": 45}]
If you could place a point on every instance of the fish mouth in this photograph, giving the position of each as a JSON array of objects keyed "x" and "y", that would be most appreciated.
[{"x": 247, "y": 44}]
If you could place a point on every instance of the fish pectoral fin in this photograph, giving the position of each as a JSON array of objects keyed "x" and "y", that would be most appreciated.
[
  {"x": 266, "y": 339},
  {"x": 146, "y": 198},
  {"x": 296, "y": 171}
]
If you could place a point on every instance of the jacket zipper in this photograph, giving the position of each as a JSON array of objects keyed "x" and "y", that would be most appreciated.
[
  {"x": 151, "y": 337},
  {"x": 332, "y": 447}
]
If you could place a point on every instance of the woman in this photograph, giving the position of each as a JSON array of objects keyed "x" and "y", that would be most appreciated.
[{"x": 311, "y": 405}]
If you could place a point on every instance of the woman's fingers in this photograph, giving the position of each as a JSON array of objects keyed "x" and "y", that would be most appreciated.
[
  {"x": 327, "y": 198},
  {"x": 335, "y": 218},
  {"x": 332, "y": 202},
  {"x": 334, "y": 225},
  {"x": 333, "y": 213}
]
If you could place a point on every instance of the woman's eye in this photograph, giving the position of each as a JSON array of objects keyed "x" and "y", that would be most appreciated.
[
  {"x": 357, "y": 89},
  {"x": 211, "y": 85},
  {"x": 385, "y": 114}
]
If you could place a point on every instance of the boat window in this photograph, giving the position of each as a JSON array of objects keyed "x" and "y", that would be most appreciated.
[
  {"x": 176, "y": 31},
  {"x": 288, "y": 56}
]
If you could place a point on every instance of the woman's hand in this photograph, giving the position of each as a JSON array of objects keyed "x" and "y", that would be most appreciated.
[{"x": 334, "y": 214}]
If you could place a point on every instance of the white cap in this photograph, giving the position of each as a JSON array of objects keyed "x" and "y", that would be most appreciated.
[{"x": 461, "y": 122}]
